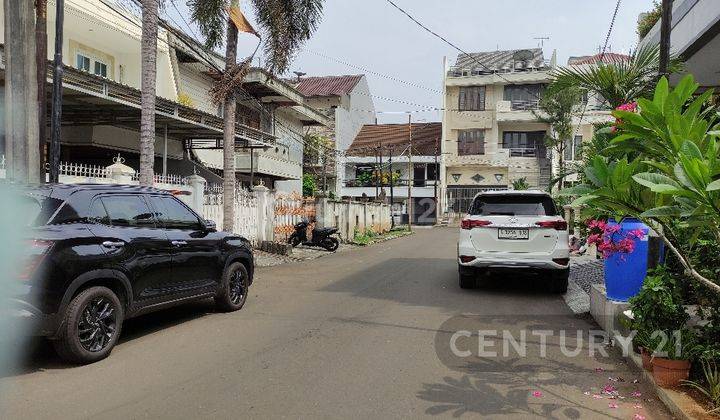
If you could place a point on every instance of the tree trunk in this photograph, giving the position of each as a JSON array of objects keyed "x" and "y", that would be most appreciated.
[
  {"x": 41, "y": 54},
  {"x": 229, "y": 133},
  {"x": 147, "y": 87}
]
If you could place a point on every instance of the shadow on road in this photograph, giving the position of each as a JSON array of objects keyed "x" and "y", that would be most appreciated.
[{"x": 37, "y": 354}]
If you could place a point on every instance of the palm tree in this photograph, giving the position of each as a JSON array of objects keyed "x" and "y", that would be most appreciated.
[
  {"x": 619, "y": 81},
  {"x": 285, "y": 26},
  {"x": 148, "y": 73}
]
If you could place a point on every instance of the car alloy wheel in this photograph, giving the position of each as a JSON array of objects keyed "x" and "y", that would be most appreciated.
[
  {"x": 97, "y": 324},
  {"x": 237, "y": 287}
]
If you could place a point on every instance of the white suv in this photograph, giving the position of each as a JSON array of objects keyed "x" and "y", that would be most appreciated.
[{"x": 514, "y": 229}]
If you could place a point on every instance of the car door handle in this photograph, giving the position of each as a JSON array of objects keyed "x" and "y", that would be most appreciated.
[
  {"x": 111, "y": 244},
  {"x": 178, "y": 243}
]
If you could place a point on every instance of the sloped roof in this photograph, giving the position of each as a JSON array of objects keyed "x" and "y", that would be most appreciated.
[
  {"x": 593, "y": 59},
  {"x": 426, "y": 137},
  {"x": 328, "y": 85},
  {"x": 508, "y": 60}
]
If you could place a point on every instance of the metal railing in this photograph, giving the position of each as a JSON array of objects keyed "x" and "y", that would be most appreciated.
[
  {"x": 524, "y": 105},
  {"x": 350, "y": 183}
]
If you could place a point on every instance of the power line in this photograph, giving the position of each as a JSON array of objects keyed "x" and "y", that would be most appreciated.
[{"x": 374, "y": 73}]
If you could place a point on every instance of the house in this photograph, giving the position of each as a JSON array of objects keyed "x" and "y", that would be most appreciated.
[
  {"x": 594, "y": 110},
  {"x": 347, "y": 101},
  {"x": 101, "y": 102},
  {"x": 490, "y": 136},
  {"x": 694, "y": 38},
  {"x": 379, "y": 165}
]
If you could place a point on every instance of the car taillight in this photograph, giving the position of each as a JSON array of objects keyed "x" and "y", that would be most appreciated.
[
  {"x": 470, "y": 223},
  {"x": 35, "y": 251},
  {"x": 553, "y": 224}
]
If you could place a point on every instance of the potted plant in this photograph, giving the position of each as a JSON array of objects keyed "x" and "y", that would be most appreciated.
[
  {"x": 671, "y": 356},
  {"x": 656, "y": 308}
]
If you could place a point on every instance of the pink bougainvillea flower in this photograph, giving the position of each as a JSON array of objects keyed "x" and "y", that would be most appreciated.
[
  {"x": 612, "y": 405},
  {"x": 636, "y": 394},
  {"x": 537, "y": 394},
  {"x": 593, "y": 239},
  {"x": 610, "y": 229},
  {"x": 608, "y": 389},
  {"x": 629, "y": 107}
]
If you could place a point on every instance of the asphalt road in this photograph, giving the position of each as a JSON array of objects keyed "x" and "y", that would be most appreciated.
[{"x": 358, "y": 334}]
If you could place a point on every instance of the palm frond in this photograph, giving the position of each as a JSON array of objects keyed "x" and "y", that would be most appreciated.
[
  {"x": 285, "y": 26},
  {"x": 209, "y": 15}
]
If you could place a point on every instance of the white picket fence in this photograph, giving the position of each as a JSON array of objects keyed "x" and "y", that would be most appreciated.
[{"x": 246, "y": 211}]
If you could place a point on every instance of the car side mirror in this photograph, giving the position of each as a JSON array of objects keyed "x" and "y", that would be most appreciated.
[{"x": 210, "y": 225}]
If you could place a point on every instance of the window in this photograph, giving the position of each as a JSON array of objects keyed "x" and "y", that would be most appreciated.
[
  {"x": 573, "y": 149},
  {"x": 83, "y": 63},
  {"x": 523, "y": 96},
  {"x": 128, "y": 210},
  {"x": 173, "y": 214},
  {"x": 98, "y": 214},
  {"x": 100, "y": 69},
  {"x": 513, "y": 205},
  {"x": 433, "y": 171},
  {"x": 523, "y": 139},
  {"x": 471, "y": 142},
  {"x": 472, "y": 98}
]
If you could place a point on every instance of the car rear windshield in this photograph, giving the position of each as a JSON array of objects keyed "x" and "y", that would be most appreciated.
[
  {"x": 513, "y": 205},
  {"x": 36, "y": 207}
]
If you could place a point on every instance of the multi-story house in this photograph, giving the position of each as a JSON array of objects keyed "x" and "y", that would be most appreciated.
[
  {"x": 347, "y": 101},
  {"x": 490, "y": 135},
  {"x": 379, "y": 165},
  {"x": 101, "y": 101}
]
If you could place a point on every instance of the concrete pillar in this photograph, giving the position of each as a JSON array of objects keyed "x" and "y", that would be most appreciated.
[
  {"x": 119, "y": 172},
  {"x": 265, "y": 214},
  {"x": 197, "y": 185},
  {"x": 22, "y": 129},
  {"x": 321, "y": 211},
  {"x": 569, "y": 218}
]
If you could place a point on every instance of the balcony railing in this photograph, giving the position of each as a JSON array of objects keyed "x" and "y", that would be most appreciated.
[
  {"x": 397, "y": 183},
  {"x": 455, "y": 71},
  {"x": 524, "y": 105}
]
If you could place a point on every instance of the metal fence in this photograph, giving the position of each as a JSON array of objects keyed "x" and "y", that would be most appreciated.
[{"x": 459, "y": 199}]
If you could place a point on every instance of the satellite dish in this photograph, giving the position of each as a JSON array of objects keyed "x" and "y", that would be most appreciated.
[{"x": 523, "y": 55}]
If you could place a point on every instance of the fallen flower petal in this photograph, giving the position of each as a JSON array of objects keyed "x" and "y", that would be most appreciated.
[
  {"x": 636, "y": 394},
  {"x": 638, "y": 406},
  {"x": 612, "y": 405},
  {"x": 638, "y": 417},
  {"x": 598, "y": 397},
  {"x": 537, "y": 394}
]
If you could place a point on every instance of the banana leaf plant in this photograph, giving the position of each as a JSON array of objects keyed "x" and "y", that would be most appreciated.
[{"x": 675, "y": 178}]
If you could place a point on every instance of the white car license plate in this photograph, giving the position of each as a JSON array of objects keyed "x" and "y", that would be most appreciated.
[{"x": 513, "y": 233}]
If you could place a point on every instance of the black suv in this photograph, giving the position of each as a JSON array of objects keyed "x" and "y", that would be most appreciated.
[{"x": 100, "y": 254}]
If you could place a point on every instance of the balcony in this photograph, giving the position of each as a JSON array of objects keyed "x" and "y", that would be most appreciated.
[
  {"x": 420, "y": 188},
  {"x": 266, "y": 164},
  {"x": 516, "y": 111}
]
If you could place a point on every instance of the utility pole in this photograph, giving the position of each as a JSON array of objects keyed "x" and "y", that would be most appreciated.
[
  {"x": 41, "y": 58},
  {"x": 21, "y": 108},
  {"x": 392, "y": 197},
  {"x": 435, "y": 183},
  {"x": 381, "y": 168},
  {"x": 57, "y": 93},
  {"x": 410, "y": 173},
  {"x": 377, "y": 175},
  {"x": 665, "y": 29}
]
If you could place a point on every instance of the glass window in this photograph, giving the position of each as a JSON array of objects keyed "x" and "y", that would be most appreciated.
[
  {"x": 577, "y": 152},
  {"x": 471, "y": 142},
  {"x": 101, "y": 69},
  {"x": 523, "y": 139},
  {"x": 523, "y": 96},
  {"x": 128, "y": 210},
  {"x": 98, "y": 214},
  {"x": 173, "y": 214},
  {"x": 83, "y": 63},
  {"x": 472, "y": 98},
  {"x": 513, "y": 205}
]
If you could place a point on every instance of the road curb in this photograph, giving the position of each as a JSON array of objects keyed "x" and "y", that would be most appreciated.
[{"x": 680, "y": 405}]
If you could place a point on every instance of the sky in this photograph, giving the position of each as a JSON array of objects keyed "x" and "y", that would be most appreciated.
[{"x": 373, "y": 35}]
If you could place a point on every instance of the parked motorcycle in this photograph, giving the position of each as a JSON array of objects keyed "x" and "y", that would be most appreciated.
[{"x": 320, "y": 237}]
